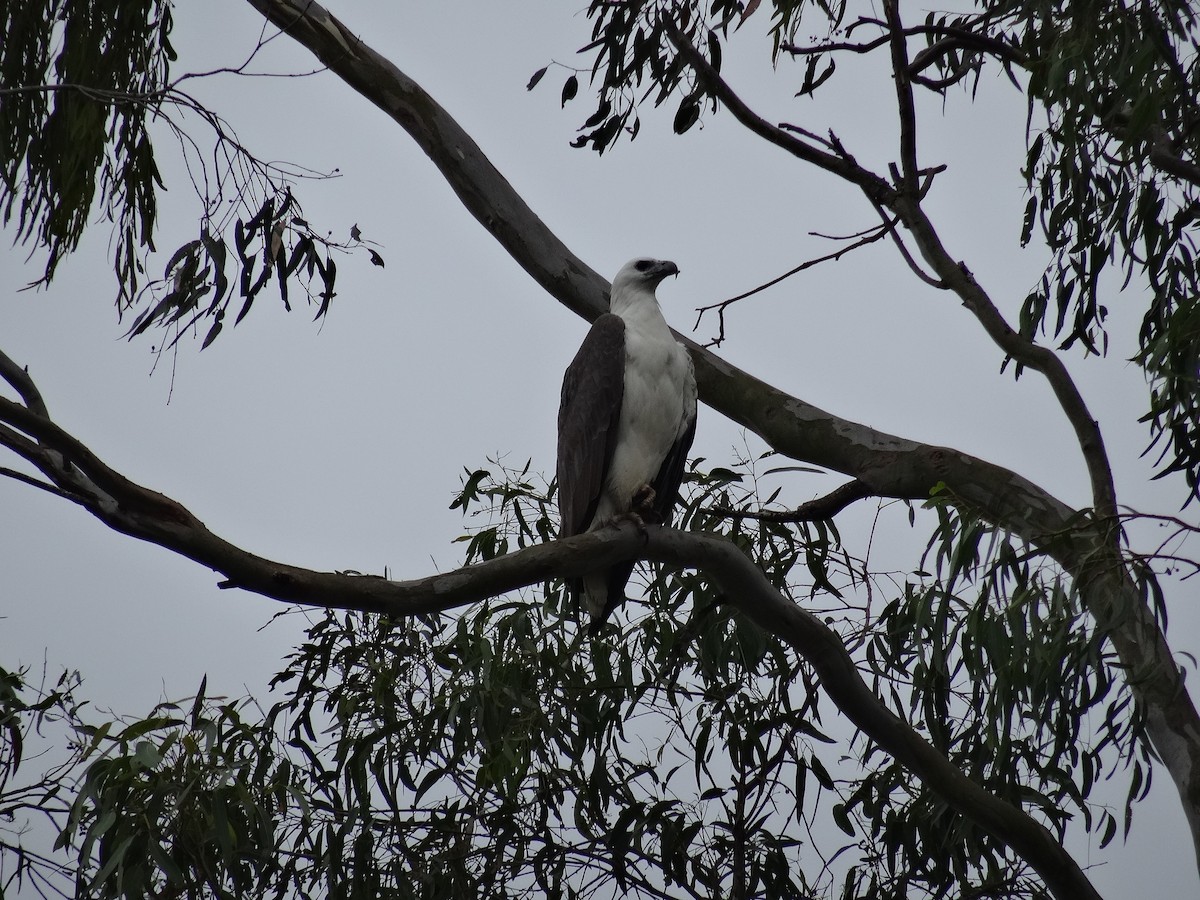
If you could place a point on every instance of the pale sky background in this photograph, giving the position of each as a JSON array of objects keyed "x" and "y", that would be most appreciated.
[{"x": 340, "y": 445}]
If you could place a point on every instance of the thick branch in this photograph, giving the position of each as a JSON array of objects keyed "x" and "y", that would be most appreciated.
[
  {"x": 737, "y": 577},
  {"x": 129, "y": 508},
  {"x": 22, "y": 384},
  {"x": 1163, "y": 157},
  {"x": 1024, "y": 350},
  {"x": 888, "y": 465},
  {"x": 480, "y": 187},
  {"x": 151, "y": 516},
  {"x": 1112, "y": 598}
]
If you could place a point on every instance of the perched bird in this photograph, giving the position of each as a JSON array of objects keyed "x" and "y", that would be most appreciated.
[{"x": 625, "y": 423}]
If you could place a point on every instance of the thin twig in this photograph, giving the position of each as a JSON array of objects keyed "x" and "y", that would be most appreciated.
[
  {"x": 6, "y": 472},
  {"x": 873, "y": 235},
  {"x": 814, "y": 510}
]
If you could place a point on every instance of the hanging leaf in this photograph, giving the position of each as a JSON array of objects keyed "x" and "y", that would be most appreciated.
[
  {"x": 570, "y": 89},
  {"x": 212, "y": 333},
  {"x": 276, "y": 244},
  {"x": 687, "y": 116},
  {"x": 179, "y": 255},
  {"x": 216, "y": 254}
]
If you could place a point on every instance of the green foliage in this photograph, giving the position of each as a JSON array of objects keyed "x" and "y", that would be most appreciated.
[
  {"x": 81, "y": 82},
  {"x": 28, "y": 798},
  {"x": 86, "y": 90},
  {"x": 1113, "y": 162},
  {"x": 1004, "y": 671},
  {"x": 193, "y": 803},
  {"x": 500, "y": 752},
  {"x": 1118, "y": 89}
]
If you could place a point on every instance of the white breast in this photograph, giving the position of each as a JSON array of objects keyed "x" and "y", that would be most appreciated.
[{"x": 658, "y": 403}]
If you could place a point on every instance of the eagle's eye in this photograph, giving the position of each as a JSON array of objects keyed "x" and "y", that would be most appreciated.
[{"x": 643, "y": 264}]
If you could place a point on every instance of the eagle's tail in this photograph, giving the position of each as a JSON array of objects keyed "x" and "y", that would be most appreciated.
[{"x": 603, "y": 592}]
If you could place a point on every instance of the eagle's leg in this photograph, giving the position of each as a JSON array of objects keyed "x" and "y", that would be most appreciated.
[
  {"x": 643, "y": 505},
  {"x": 641, "y": 511}
]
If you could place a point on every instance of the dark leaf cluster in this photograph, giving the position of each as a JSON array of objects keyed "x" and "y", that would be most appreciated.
[
  {"x": 203, "y": 277},
  {"x": 633, "y": 60},
  {"x": 35, "y": 787},
  {"x": 77, "y": 95},
  {"x": 189, "y": 801},
  {"x": 989, "y": 650},
  {"x": 1115, "y": 185},
  {"x": 81, "y": 89}
]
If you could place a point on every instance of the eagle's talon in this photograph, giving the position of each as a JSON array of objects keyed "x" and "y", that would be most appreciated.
[
  {"x": 638, "y": 520},
  {"x": 643, "y": 501}
]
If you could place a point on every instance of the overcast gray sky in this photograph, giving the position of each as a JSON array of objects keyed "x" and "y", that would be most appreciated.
[{"x": 339, "y": 446}]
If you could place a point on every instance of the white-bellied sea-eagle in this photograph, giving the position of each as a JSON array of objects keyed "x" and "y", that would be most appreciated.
[{"x": 625, "y": 423}]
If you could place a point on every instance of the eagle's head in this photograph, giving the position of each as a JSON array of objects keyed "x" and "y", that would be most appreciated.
[
  {"x": 641, "y": 276},
  {"x": 644, "y": 272}
]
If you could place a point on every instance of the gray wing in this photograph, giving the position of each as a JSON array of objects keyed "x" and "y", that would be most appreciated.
[
  {"x": 590, "y": 408},
  {"x": 670, "y": 474}
]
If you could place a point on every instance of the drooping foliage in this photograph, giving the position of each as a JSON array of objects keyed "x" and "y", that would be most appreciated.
[
  {"x": 35, "y": 785},
  {"x": 81, "y": 83},
  {"x": 87, "y": 92}
]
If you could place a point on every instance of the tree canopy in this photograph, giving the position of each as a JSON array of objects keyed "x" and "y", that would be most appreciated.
[{"x": 776, "y": 717}]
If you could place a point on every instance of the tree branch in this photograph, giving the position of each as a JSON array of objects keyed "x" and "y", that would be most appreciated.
[
  {"x": 869, "y": 237},
  {"x": 736, "y": 576},
  {"x": 949, "y": 38},
  {"x": 480, "y": 187},
  {"x": 889, "y": 465},
  {"x": 814, "y": 510},
  {"x": 905, "y": 203},
  {"x": 19, "y": 378},
  {"x": 6, "y": 435},
  {"x": 836, "y": 164},
  {"x": 151, "y": 516},
  {"x": 904, "y": 97}
]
